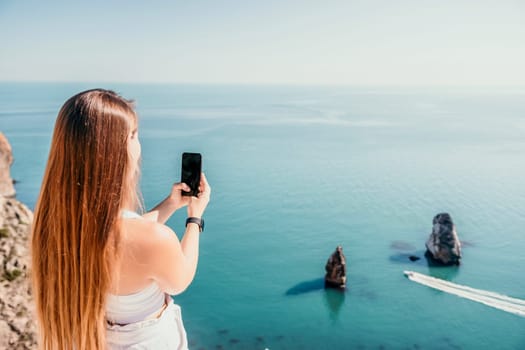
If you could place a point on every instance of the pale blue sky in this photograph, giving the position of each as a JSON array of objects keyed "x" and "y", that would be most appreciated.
[{"x": 389, "y": 42}]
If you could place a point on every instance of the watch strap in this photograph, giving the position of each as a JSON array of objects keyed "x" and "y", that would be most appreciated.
[{"x": 198, "y": 221}]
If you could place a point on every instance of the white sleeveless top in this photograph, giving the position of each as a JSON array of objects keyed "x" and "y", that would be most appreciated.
[{"x": 124, "y": 309}]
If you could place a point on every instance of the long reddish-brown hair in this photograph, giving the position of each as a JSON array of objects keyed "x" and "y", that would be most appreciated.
[{"x": 88, "y": 180}]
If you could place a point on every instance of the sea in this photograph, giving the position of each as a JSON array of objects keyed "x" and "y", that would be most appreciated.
[{"x": 296, "y": 171}]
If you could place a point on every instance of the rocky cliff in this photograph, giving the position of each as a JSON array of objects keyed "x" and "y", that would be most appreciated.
[
  {"x": 17, "y": 327},
  {"x": 6, "y": 159}
]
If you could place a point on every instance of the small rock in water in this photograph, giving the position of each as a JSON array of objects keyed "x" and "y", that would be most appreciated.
[
  {"x": 414, "y": 258},
  {"x": 336, "y": 270},
  {"x": 443, "y": 245}
]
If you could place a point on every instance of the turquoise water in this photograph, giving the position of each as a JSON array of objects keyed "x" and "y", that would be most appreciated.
[{"x": 296, "y": 171}]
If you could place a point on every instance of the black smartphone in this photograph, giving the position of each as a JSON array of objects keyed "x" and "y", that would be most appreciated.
[{"x": 191, "y": 172}]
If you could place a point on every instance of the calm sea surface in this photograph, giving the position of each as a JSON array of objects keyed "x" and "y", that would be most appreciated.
[{"x": 296, "y": 171}]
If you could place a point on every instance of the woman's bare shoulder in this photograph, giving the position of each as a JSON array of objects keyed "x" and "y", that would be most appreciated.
[
  {"x": 156, "y": 253},
  {"x": 145, "y": 237}
]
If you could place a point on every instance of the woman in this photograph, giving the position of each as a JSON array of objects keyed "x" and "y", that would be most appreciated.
[{"x": 102, "y": 274}]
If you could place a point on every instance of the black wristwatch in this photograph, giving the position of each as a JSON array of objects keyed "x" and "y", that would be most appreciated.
[{"x": 198, "y": 221}]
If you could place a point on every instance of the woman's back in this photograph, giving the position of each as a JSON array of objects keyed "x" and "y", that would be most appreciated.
[
  {"x": 140, "y": 315},
  {"x": 134, "y": 295}
]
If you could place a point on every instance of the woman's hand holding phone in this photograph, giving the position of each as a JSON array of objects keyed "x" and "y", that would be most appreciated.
[{"x": 197, "y": 205}]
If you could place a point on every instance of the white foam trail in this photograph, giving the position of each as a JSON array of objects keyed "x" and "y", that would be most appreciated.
[{"x": 498, "y": 301}]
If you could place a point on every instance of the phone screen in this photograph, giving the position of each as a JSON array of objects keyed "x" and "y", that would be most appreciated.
[{"x": 191, "y": 172}]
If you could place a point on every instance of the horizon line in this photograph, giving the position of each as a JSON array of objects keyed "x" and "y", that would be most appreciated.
[{"x": 270, "y": 84}]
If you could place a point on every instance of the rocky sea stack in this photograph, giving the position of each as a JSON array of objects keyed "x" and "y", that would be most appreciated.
[
  {"x": 443, "y": 245},
  {"x": 336, "y": 270},
  {"x": 17, "y": 327}
]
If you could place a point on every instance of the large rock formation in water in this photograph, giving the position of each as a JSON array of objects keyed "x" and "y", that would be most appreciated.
[
  {"x": 17, "y": 327},
  {"x": 443, "y": 245},
  {"x": 336, "y": 269}
]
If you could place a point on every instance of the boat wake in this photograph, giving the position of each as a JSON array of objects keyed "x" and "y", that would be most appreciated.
[{"x": 495, "y": 300}]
